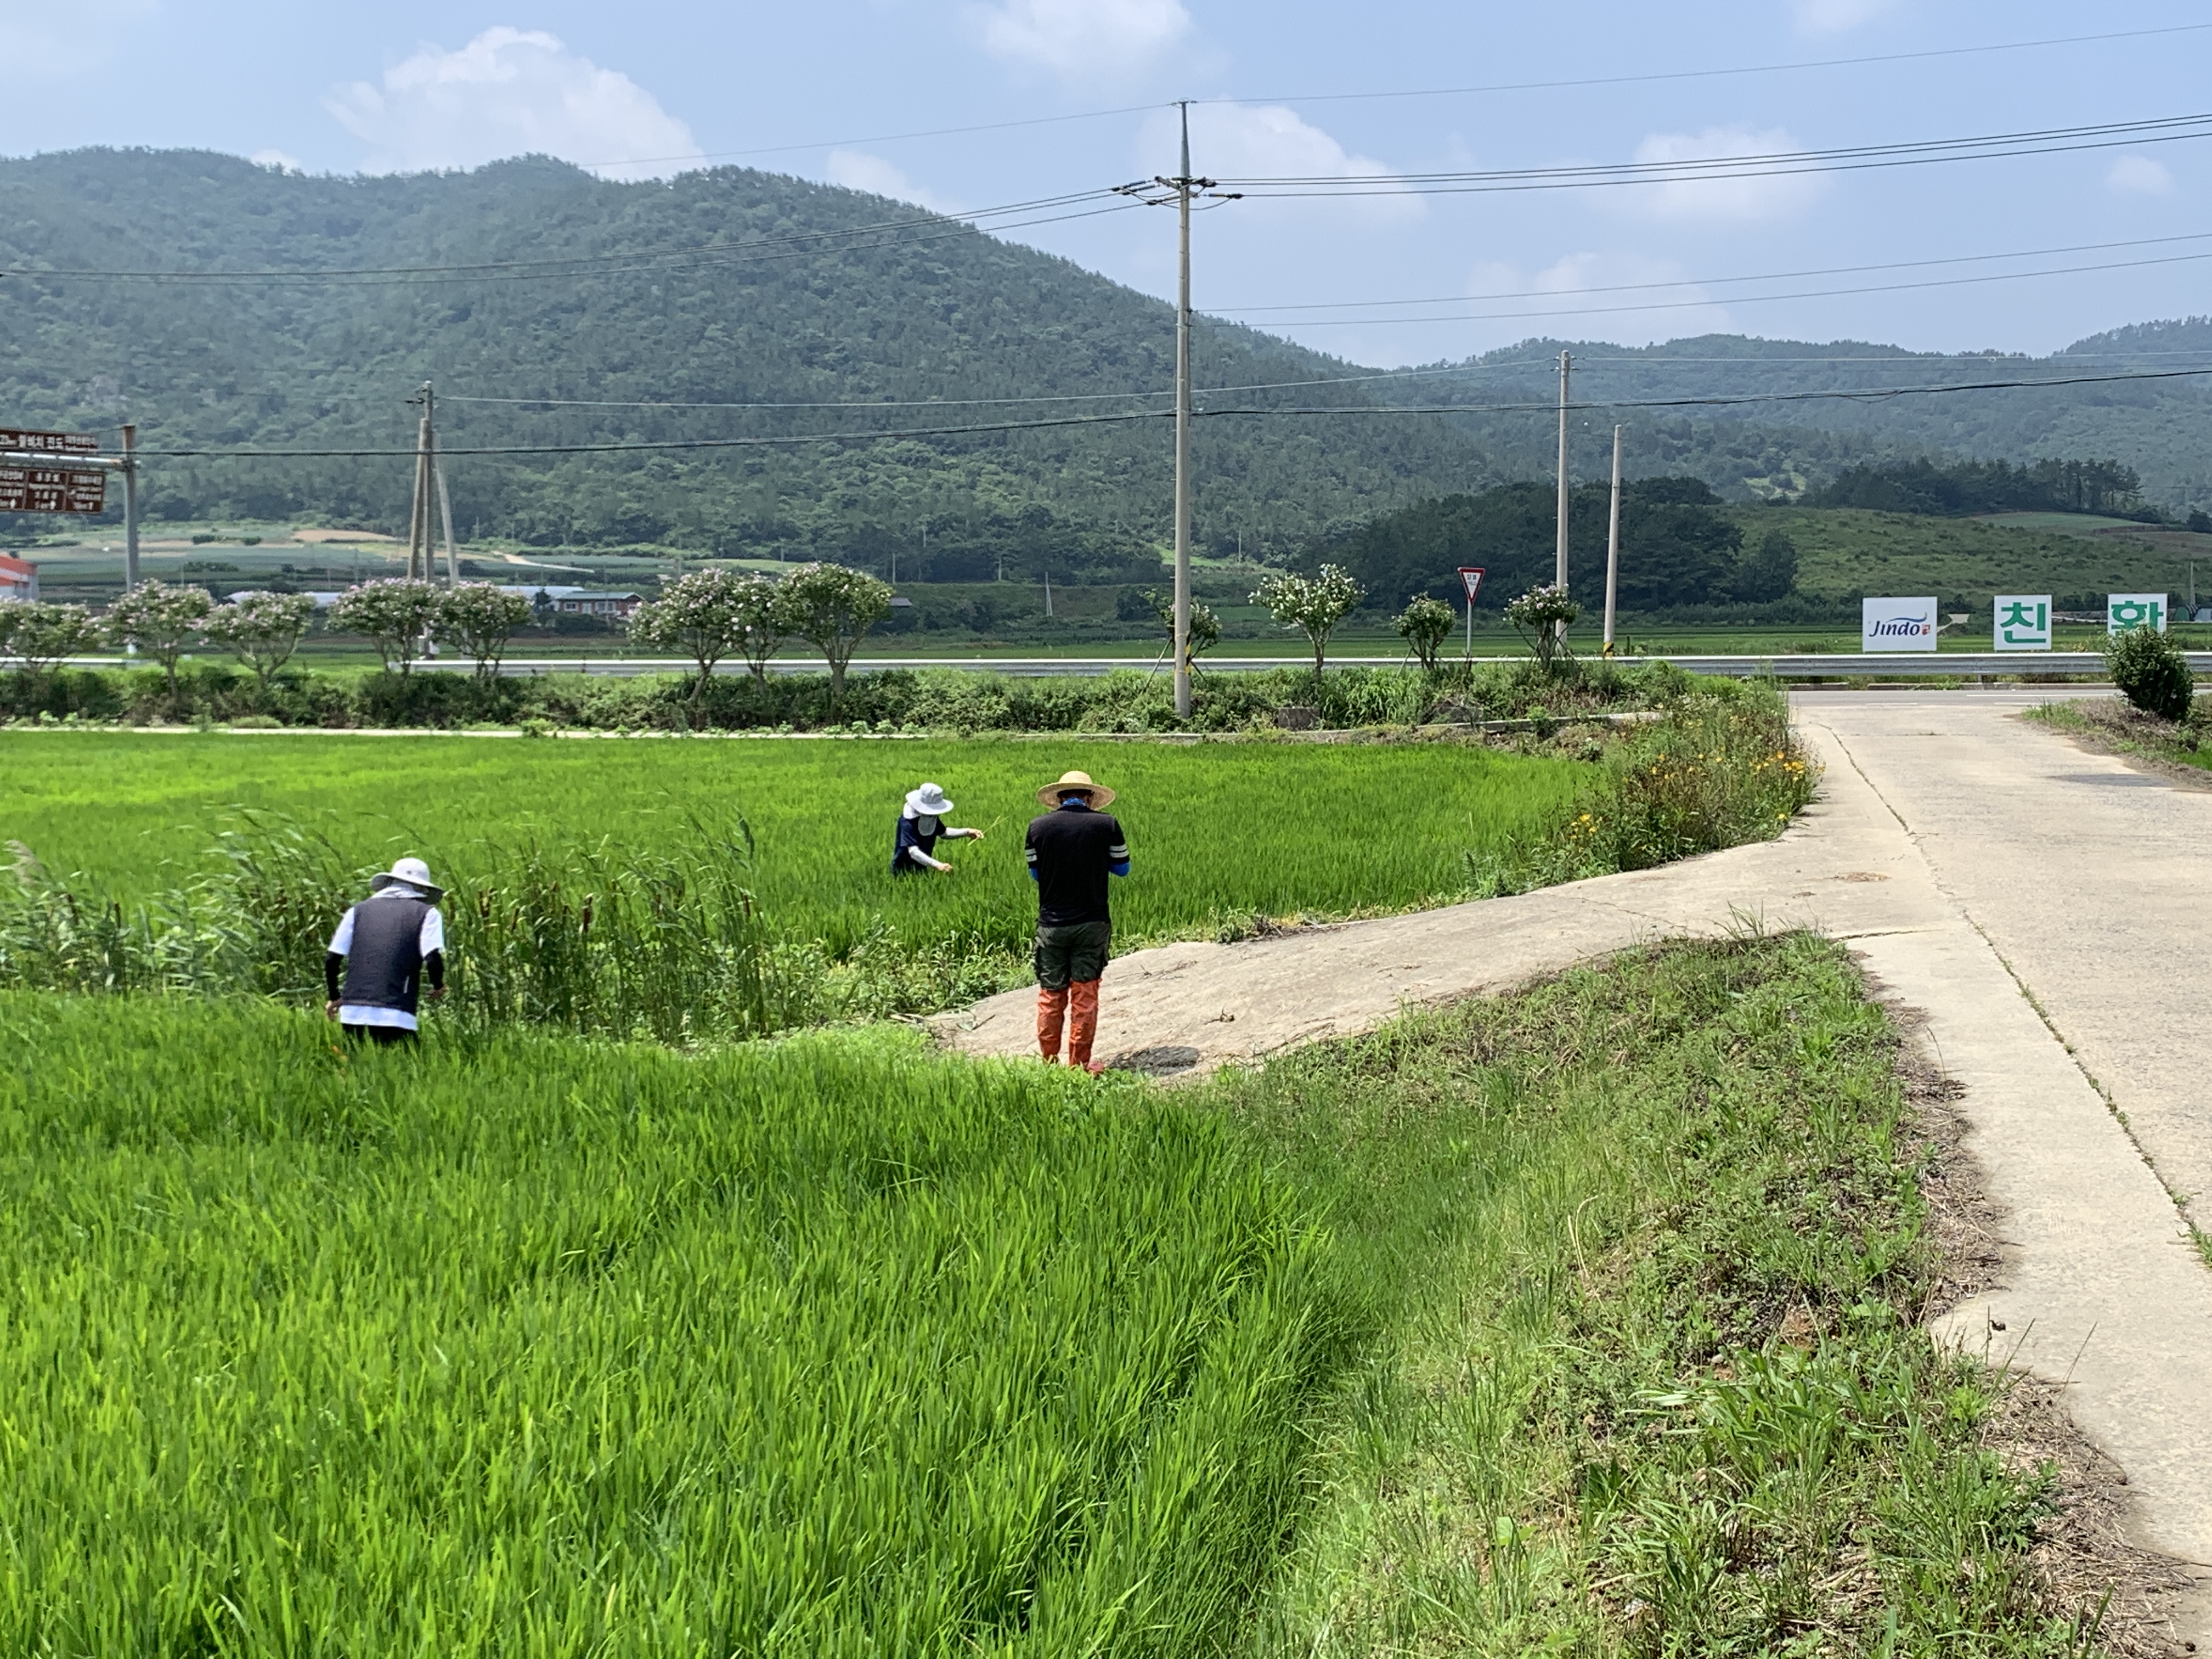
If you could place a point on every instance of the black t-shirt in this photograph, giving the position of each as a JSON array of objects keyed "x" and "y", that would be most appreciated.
[{"x": 1071, "y": 850}]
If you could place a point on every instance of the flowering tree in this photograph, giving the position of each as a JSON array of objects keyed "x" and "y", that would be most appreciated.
[
  {"x": 831, "y": 606},
  {"x": 1314, "y": 605},
  {"x": 479, "y": 618},
  {"x": 1540, "y": 616},
  {"x": 395, "y": 612},
  {"x": 703, "y": 614},
  {"x": 159, "y": 620},
  {"x": 1204, "y": 626},
  {"x": 38, "y": 635},
  {"x": 1425, "y": 624},
  {"x": 765, "y": 610},
  {"x": 261, "y": 630}
]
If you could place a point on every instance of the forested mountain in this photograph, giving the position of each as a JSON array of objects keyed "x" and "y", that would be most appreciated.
[
  {"x": 731, "y": 286},
  {"x": 2161, "y": 428},
  {"x": 727, "y": 308}
]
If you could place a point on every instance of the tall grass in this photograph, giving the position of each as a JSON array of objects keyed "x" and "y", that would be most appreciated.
[{"x": 520, "y": 1345}]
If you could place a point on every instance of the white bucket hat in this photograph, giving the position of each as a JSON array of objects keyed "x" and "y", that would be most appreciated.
[
  {"x": 926, "y": 802},
  {"x": 412, "y": 872}
]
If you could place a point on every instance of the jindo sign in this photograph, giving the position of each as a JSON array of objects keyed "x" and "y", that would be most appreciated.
[
  {"x": 1896, "y": 625},
  {"x": 2021, "y": 622}
]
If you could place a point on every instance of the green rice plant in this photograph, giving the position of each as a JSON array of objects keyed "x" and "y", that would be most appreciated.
[{"x": 514, "y": 1345}]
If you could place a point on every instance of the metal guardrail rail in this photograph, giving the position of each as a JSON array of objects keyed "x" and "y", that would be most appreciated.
[{"x": 1821, "y": 666}]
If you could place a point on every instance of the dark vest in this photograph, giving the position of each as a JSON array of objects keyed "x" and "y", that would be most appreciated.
[{"x": 384, "y": 969}]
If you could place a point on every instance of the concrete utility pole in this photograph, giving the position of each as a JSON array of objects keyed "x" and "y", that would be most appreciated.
[
  {"x": 1182, "y": 183},
  {"x": 1158, "y": 192},
  {"x": 1612, "y": 546},
  {"x": 1560, "y": 572},
  {"x": 419, "y": 556},
  {"x": 446, "y": 517},
  {"x": 130, "y": 505}
]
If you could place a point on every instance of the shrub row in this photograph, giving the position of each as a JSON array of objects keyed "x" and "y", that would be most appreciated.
[{"x": 935, "y": 700}]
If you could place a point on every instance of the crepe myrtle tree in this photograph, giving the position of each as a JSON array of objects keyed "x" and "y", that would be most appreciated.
[
  {"x": 395, "y": 612},
  {"x": 261, "y": 629},
  {"x": 1425, "y": 624},
  {"x": 1540, "y": 617},
  {"x": 704, "y": 614},
  {"x": 1314, "y": 605},
  {"x": 765, "y": 610},
  {"x": 38, "y": 635},
  {"x": 478, "y": 619},
  {"x": 1205, "y": 626},
  {"x": 160, "y": 621},
  {"x": 830, "y": 606}
]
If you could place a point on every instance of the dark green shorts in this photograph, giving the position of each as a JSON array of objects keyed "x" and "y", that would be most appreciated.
[{"x": 1073, "y": 954}]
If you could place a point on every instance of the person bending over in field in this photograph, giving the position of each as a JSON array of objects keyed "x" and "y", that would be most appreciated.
[
  {"x": 387, "y": 945},
  {"x": 1072, "y": 851},
  {"x": 914, "y": 848}
]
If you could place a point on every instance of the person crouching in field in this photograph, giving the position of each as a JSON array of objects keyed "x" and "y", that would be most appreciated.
[
  {"x": 1072, "y": 851},
  {"x": 387, "y": 945},
  {"x": 914, "y": 848}
]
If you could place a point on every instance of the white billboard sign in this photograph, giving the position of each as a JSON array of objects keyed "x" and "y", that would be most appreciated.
[
  {"x": 2125, "y": 611},
  {"x": 2021, "y": 622},
  {"x": 1896, "y": 625}
]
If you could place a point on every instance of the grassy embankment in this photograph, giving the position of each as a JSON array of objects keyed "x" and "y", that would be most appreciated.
[
  {"x": 631, "y": 901},
  {"x": 1583, "y": 1320},
  {"x": 2115, "y": 726}
]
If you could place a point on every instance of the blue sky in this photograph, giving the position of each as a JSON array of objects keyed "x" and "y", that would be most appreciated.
[{"x": 815, "y": 89}]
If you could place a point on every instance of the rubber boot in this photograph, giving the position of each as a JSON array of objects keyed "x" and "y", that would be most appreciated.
[
  {"x": 1083, "y": 1024},
  {"x": 1052, "y": 1010}
]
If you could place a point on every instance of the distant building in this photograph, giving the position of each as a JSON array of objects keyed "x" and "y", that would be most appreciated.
[
  {"x": 19, "y": 580},
  {"x": 579, "y": 602}
]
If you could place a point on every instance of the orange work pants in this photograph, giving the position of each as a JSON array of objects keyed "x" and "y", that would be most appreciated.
[{"x": 1078, "y": 1006}]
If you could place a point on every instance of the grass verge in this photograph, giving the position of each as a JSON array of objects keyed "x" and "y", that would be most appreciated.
[
  {"x": 1652, "y": 1259},
  {"x": 2114, "y": 726}
]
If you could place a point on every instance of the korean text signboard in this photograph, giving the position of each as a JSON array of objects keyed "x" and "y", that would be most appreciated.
[
  {"x": 24, "y": 442},
  {"x": 52, "y": 489},
  {"x": 1896, "y": 625},
  {"x": 2125, "y": 611},
  {"x": 2021, "y": 622}
]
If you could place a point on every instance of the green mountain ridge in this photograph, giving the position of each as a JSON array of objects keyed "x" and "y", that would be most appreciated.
[{"x": 731, "y": 286}]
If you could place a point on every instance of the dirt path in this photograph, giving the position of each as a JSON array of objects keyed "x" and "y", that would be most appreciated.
[{"x": 2031, "y": 901}]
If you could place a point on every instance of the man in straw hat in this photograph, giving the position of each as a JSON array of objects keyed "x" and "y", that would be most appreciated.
[
  {"x": 913, "y": 846},
  {"x": 1072, "y": 851},
  {"x": 387, "y": 945}
]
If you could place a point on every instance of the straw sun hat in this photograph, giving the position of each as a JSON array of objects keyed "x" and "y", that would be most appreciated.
[{"x": 1070, "y": 783}]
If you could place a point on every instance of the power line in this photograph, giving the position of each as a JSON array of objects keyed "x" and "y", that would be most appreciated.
[
  {"x": 1780, "y": 163},
  {"x": 1717, "y": 282},
  {"x": 1789, "y": 67},
  {"x": 586, "y": 264}
]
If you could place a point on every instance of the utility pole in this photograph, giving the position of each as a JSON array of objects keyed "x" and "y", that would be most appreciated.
[
  {"x": 446, "y": 517},
  {"x": 1560, "y": 572},
  {"x": 130, "y": 505},
  {"x": 419, "y": 559},
  {"x": 1181, "y": 190},
  {"x": 1612, "y": 546}
]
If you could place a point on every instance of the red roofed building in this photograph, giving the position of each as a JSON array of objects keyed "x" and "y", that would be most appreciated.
[{"x": 19, "y": 579}]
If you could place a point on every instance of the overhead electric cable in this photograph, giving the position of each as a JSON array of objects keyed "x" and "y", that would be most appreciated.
[
  {"x": 1696, "y": 169},
  {"x": 1715, "y": 282}
]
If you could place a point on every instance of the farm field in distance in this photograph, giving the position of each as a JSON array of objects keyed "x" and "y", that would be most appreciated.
[{"x": 1216, "y": 829}]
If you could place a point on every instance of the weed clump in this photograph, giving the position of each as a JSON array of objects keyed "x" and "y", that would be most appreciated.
[{"x": 2151, "y": 672}]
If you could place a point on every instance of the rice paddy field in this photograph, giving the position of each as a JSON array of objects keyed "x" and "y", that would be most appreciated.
[{"x": 1217, "y": 830}]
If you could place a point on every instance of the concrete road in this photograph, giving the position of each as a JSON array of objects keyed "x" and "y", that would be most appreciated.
[{"x": 2035, "y": 903}]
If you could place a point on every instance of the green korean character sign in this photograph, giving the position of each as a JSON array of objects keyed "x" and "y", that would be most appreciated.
[
  {"x": 2021, "y": 622},
  {"x": 2124, "y": 611}
]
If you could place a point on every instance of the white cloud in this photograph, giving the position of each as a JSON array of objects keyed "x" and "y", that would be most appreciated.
[
  {"x": 1840, "y": 16},
  {"x": 277, "y": 159},
  {"x": 48, "y": 43},
  {"x": 856, "y": 170},
  {"x": 1083, "y": 37},
  {"x": 2139, "y": 175},
  {"x": 509, "y": 92},
  {"x": 1631, "y": 298},
  {"x": 1769, "y": 197},
  {"x": 1261, "y": 141}
]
